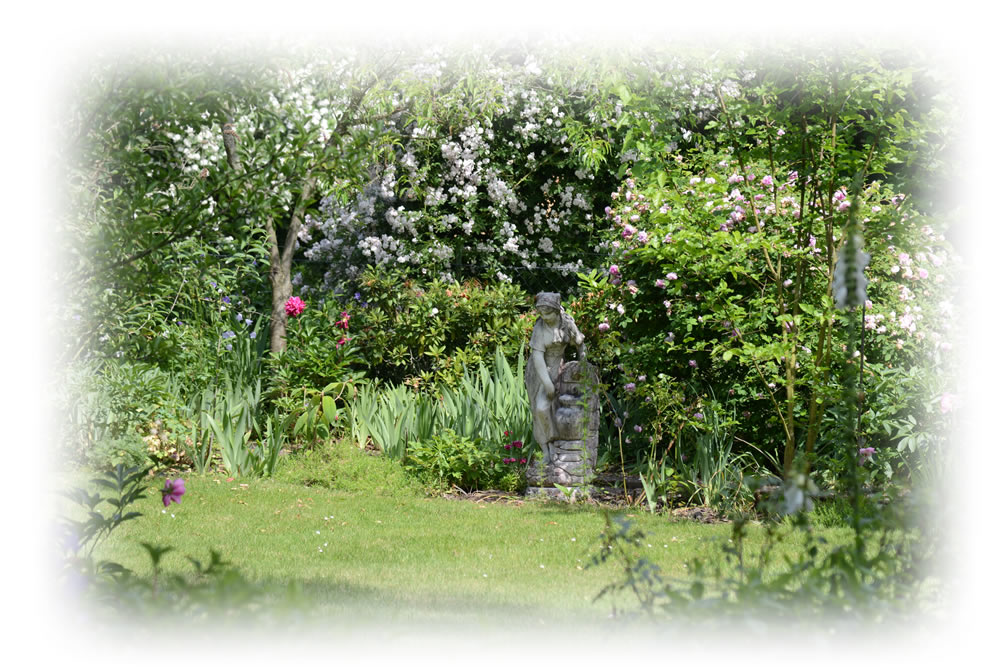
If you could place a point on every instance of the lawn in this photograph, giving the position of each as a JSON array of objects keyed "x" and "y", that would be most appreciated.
[{"x": 366, "y": 544}]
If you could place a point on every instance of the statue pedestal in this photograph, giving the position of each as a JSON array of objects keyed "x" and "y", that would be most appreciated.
[{"x": 570, "y": 460}]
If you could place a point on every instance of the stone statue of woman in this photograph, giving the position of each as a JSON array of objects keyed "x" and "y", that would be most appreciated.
[{"x": 553, "y": 331}]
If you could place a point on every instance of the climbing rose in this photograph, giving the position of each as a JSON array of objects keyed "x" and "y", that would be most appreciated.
[
  {"x": 294, "y": 306},
  {"x": 172, "y": 491}
]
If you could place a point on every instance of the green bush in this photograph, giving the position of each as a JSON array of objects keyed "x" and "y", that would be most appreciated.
[
  {"x": 428, "y": 334},
  {"x": 338, "y": 465},
  {"x": 448, "y": 459},
  {"x": 128, "y": 450},
  {"x": 703, "y": 297}
]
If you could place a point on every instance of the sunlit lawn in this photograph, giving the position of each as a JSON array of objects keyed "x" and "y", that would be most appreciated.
[{"x": 392, "y": 552}]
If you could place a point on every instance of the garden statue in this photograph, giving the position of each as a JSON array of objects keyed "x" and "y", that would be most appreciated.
[{"x": 563, "y": 399}]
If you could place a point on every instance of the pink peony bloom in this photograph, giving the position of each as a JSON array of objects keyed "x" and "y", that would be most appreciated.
[
  {"x": 172, "y": 491},
  {"x": 294, "y": 306}
]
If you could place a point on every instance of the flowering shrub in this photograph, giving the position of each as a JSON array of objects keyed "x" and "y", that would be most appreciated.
[{"x": 719, "y": 292}]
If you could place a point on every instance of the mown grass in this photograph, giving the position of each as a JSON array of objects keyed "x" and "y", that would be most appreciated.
[{"x": 363, "y": 540}]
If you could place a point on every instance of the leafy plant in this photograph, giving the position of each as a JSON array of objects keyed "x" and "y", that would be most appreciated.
[{"x": 448, "y": 459}]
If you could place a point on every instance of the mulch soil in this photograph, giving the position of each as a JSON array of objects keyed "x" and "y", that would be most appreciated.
[{"x": 607, "y": 493}]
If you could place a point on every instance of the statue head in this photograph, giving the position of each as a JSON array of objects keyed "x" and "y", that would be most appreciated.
[{"x": 549, "y": 307}]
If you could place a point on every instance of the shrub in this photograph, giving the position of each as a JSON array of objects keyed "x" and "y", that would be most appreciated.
[
  {"x": 448, "y": 459},
  {"x": 704, "y": 297},
  {"x": 428, "y": 334}
]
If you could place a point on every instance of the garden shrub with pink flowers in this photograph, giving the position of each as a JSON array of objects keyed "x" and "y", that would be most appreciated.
[{"x": 718, "y": 297}]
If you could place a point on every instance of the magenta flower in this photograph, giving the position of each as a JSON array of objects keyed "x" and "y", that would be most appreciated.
[
  {"x": 524, "y": 460},
  {"x": 661, "y": 283},
  {"x": 172, "y": 491},
  {"x": 865, "y": 454},
  {"x": 692, "y": 363},
  {"x": 294, "y": 306},
  {"x": 614, "y": 270}
]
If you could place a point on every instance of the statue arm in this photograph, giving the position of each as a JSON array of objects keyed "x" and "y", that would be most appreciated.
[{"x": 538, "y": 359}]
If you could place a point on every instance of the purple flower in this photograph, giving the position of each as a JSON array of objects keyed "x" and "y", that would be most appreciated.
[
  {"x": 603, "y": 326},
  {"x": 671, "y": 276},
  {"x": 630, "y": 386},
  {"x": 172, "y": 491},
  {"x": 699, "y": 416},
  {"x": 638, "y": 429},
  {"x": 225, "y": 299},
  {"x": 865, "y": 454},
  {"x": 692, "y": 363}
]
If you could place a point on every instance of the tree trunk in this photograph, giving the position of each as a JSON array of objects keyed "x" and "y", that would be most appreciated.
[{"x": 280, "y": 273}]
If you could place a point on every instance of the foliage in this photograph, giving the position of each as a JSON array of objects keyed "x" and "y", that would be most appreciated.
[
  {"x": 489, "y": 403},
  {"x": 320, "y": 351},
  {"x": 448, "y": 459},
  {"x": 340, "y": 466},
  {"x": 117, "y": 590},
  {"x": 428, "y": 333},
  {"x": 879, "y": 576}
]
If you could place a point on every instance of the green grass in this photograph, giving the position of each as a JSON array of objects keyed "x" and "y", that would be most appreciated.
[{"x": 363, "y": 541}]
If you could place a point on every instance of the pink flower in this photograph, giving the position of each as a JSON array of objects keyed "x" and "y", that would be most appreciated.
[
  {"x": 947, "y": 403},
  {"x": 614, "y": 270},
  {"x": 865, "y": 454},
  {"x": 294, "y": 306},
  {"x": 767, "y": 180},
  {"x": 524, "y": 460},
  {"x": 603, "y": 326},
  {"x": 661, "y": 283},
  {"x": 172, "y": 491},
  {"x": 671, "y": 276}
]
